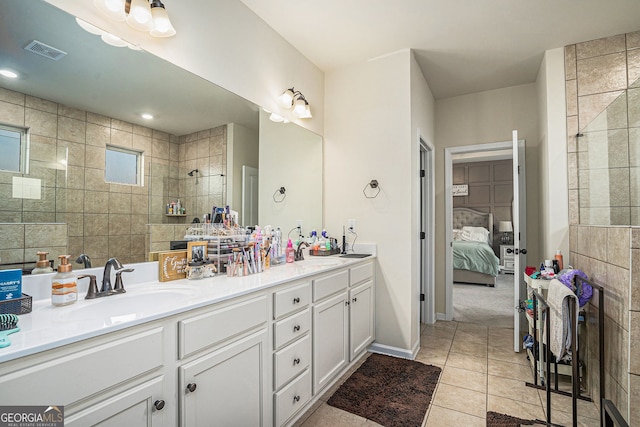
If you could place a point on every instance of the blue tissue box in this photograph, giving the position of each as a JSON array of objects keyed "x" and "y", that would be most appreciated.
[{"x": 10, "y": 284}]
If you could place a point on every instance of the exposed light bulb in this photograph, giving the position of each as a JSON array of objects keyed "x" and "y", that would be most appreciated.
[
  {"x": 286, "y": 99},
  {"x": 299, "y": 108},
  {"x": 114, "y": 9},
  {"x": 161, "y": 23},
  {"x": 140, "y": 15}
]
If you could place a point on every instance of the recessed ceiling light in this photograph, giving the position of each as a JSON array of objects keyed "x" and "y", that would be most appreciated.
[
  {"x": 8, "y": 73},
  {"x": 147, "y": 116}
]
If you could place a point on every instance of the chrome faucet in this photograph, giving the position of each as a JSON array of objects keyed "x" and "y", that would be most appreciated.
[
  {"x": 106, "y": 276},
  {"x": 85, "y": 260},
  {"x": 298, "y": 256}
]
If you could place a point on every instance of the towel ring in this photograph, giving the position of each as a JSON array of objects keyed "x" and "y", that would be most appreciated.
[
  {"x": 282, "y": 192},
  {"x": 374, "y": 185}
]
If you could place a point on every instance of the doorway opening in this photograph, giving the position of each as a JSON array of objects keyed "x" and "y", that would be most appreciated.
[
  {"x": 507, "y": 286},
  {"x": 427, "y": 233}
]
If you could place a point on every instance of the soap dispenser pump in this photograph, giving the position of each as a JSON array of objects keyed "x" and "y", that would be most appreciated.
[
  {"x": 64, "y": 284},
  {"x": 290, "y": 252},
  {"x": 42, "y": 265}
]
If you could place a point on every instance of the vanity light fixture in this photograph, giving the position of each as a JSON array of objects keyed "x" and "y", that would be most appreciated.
[
  {"x": 295, "y": 98},
  {"x": 139, "y": 14}
]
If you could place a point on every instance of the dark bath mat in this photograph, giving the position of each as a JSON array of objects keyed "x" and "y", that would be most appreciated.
[
  {"x": 495, "y": 419},
  {"x": 391, "y": 391}
]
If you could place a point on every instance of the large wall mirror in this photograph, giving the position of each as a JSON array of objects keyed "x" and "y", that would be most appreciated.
[{"x": 202, "y": 142}]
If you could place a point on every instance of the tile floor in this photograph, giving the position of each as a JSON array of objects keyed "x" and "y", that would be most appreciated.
[{"x": 480, "y": 373}]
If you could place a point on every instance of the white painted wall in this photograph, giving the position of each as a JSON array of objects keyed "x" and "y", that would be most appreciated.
[
  {"x": 242, "y": 150},
  {"x": 554, "y": 192},
  {"x": 229, "y": 46},
  {"x": 480, "y": 118},
  {"x": 368, "y": 135},
  {"x": 422, "y": 126},
  {"x": 293, "y": 155}
]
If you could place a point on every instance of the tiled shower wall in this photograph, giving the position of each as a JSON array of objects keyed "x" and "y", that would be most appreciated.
[
  {"x": 603, "y": 126},
  {"x": 607, "y": 256},
  {"x": 102, "y": 220}
]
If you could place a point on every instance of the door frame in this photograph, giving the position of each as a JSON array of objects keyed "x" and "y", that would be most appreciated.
[
  {"x": 427, "y": 224},
  {"x": 448, "y": 222}
]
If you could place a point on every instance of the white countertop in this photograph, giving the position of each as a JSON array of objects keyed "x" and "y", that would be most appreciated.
[{"x": 48, "y": 327}]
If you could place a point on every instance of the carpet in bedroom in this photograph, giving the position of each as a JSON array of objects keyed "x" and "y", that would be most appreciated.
[
  {"x": 484, "y": 305},
  {"x": 391, "y": 391}
]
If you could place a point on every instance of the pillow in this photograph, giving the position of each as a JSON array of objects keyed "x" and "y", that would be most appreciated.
[
  {"x": 475, "y": 234},
  {"x": 457, "y": 234}
]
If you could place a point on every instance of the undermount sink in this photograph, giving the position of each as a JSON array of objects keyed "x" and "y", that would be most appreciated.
[{"x": 120, "y": 308}]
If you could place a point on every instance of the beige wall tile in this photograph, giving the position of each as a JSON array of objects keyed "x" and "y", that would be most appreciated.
[
  {"x": 119, "y": 203},
  {"x": 598, "y": 241},
  {"x": 72, "y": 129},
  {"x": 95, "y": 180},
  {"x": 12, "y": 256},
  {"x": 620, "y": 216},
  {"x": 95, "y": 157},
  {"x": 139, "y": 204},
  {"x": 592, "y": 106},
  {"x": 142, "y": 143},
  {"x": 41, "y": 104},
  {"x": 600, "y": 46},
  {"x": 71, "y": 201},
  {"x": 74, "y": 113},
  {"x": 73, "y": 153},
  {"x": 160, "y": 149},
  {"x": 120, "y": 188},
  {"x": 75, "y": 248},
  {"x": 12, "y": 235},
  {"x": 74, "y": 221},
  {"x": 618, "y": 244},
  {"x": 634, "y": 146},
  {"x": 572, "y": 130},
  {"x": 619, "y": 190},
  {"x": 634, "y": 107},
  {"x": 98, "y": 135},
  {"x": 120, "y": 246},
  {"x": 96, "y": 247},
  {"x": 12, "y": 97},
  {"x": 635, "y": 237},
  {"x": 42, "y": 148},
  {"x": 41, "y": 122},
  {"x": 142, "y": 131},
  {"x": 602, "y": 74},
  {"x": 635, "y": 280},
  {"x": 570, "y": 62},
  {"x": 633, "y": 40},
  {"x": 163, "y": 136},
  {"x": 574, "y": 207},
  {"x": 12, "y": 113},
  {"x": 634, "y": 186},
  {"x": 96, "y": 224},
  {"x": 634, "y": 341},
  {"x": 41, "y": 235},
  {"x": 73, "y": 177},
  {"x": 96, "y": 202},
  {"x": 98, "y": 119},
  {"x": 121, "y": 125},
  {"x": 119, "y": 225},
  {"x": 121, "y": 138},
  {"x": 633, "y": 67}
]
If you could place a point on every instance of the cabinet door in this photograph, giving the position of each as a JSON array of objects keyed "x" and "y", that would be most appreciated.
[
  {"x": 226, "y": 387},
  {"x": 360, "y": 318},
  {"x": 140, "y": 406},
  {"x": 330, "y": 339}
]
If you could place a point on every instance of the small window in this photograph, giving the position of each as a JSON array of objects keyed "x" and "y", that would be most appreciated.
[
  {"x": 13, "y": 146},
  {"x": 123, "y": 166}
]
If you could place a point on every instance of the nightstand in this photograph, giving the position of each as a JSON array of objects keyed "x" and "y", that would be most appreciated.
[{"x": 506, "y": 259}]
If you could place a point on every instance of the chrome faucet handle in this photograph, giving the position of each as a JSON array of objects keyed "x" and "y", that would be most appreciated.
[
  {"x": 85, "y": 260},
  {"x": 298, "y": 255},
  {"x": 119, "y": 288},
  {"x": 92, "y": 292}
]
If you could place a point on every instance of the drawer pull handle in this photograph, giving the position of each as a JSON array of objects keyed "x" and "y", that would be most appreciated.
[
  {"x": 191, "y": 387},
  {"x": 354, "y": 299},
  {"x": 296, "y": 399},
  {"x": 346, "y": 303},
  {"x": 158, "y": 404},
  {"x": 296, "y": 361},
  {"x": 296, "y": 328},
  {"x": 296, "y": 300}
]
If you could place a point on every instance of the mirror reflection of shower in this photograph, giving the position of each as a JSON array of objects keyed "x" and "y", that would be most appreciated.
[{"x": 195, "y": 171}]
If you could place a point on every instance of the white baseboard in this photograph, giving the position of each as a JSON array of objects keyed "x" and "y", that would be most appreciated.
[
  {"x": 441, "y": 316},
  {"x": 393, "y": 351}
]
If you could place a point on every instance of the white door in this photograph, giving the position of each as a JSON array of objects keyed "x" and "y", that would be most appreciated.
[
  {"x": 249, "y": 195},
  {"x": 519, "y": 232}
]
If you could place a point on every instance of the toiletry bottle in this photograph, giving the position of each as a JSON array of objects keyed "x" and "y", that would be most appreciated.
[
  {"x": 290, "y": 253},
  {"x": 64, "y": 284},
  {"x": 42, "y": 265},
  {"x": 559, "y": 259}
]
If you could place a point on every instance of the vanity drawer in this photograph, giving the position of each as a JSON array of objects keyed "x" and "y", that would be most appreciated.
[
  {"x": 290, "y": 328},
  {"x": 214, "y": 327},
  {"x": 329, "y": 285},
  {"x": 290, "y": 361},
  {"x": 291, "y": 299},
  {"x": 292, "y": 398},
  {"x": 360, "y": 273}
]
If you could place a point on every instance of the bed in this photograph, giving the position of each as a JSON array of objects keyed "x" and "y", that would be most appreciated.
[{"x": 473, "y": 258}]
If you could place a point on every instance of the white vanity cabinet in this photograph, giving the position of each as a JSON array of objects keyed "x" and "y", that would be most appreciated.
[
  {"x": 291, "y": 350},
  {"x": 343, "y": 321},
  {"x": 223, "y": 380},
  {"x": 117, "y": 380}
]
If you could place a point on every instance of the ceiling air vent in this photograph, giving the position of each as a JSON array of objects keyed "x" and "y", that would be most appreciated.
[{"x": 47, "y": 51}]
